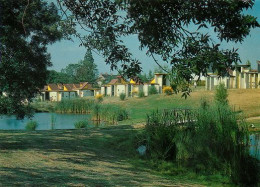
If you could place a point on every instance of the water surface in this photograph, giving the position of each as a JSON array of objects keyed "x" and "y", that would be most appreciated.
[{"x": 44, "y": 120}]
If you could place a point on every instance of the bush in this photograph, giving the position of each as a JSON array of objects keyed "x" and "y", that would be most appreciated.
[
  {"x": 112, "y": 113},
  {"x": 221, "y": 94},
  {"x": 160, "y": 136},
  {"x": 168, "y": 90},
  {"x": 152, "y": 90},
  {"x": 99, "y": 97},
  {"x": 31, "y": 126},
  {"x": 134, "y": 92},
  {"x": 201, "y": 83},
  {"x": 141, "y": 94},
  {"x": 122, "y": 114},
  {"x": 81, "y": 124},
  {"x": 122, "y": 96}
]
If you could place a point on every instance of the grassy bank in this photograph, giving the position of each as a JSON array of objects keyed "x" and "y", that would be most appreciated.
[
  {"x": 247, "y": 101},
  {"x": 97, "y": 157}
]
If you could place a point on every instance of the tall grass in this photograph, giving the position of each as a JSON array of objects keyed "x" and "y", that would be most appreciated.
[
  {"x": 141, "y": 94},
  {"x": 221, "y": 94},
  {"x": 77, "y": 105},
  {"x": 108, "y": 113},
  {"x": 216, "y": 141},
  {"x": 122, "y": 96},
  {"x": 81, "y": 124},
  {"x": 53, "y": 121},
  {"x": 152, "y": 90},
  {"x": 31, "y": 126},
  {"x": 99, "y": 112}
]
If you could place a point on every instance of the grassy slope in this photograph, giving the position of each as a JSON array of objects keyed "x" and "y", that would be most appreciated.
[{"x": 246, "y": 100}]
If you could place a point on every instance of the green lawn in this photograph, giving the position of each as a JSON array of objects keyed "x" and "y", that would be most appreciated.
[
  {"x": 139, "y": 107},
  {"x": 95, "y": 157}
]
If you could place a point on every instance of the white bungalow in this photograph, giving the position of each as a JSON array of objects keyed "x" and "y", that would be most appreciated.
[
  {"x": 241, "y": 78},
  {"x": 57, "y": 92},
  {"x": 119, "y": 85}
]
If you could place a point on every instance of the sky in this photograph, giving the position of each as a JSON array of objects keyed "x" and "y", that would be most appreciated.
[{"x": 67, "y": 52}]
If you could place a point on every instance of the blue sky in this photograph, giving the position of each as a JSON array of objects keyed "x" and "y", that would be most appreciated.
[{"x": 67, "y": 52}]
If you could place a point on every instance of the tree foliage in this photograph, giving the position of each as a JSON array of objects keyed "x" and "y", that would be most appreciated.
[
  {"x": 84, "y": 71},
  {"x": 55, "y": 77},
  {"x": 163, "y": 29},
  {"x": 87, "y": 70},
  {"x": 26, "y": 28}
]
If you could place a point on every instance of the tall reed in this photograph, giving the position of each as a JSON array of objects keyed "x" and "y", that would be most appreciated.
[
  {"x": 77, "y": 105},
  {"x": 217, "y": 140},
  {"x": 108, "y": 113},
  {"x": 99, "y": 112}
]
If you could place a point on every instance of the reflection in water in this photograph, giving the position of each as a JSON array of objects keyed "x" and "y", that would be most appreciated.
[
  {"x": 255, "y": 145},
  {"x": 46, "y": 121}
]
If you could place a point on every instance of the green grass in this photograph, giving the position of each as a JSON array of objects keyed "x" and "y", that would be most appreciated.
[
  {"x": 81, "y": 124},
  {"x": 44, "y": 106},
  {"x": 31, "y": 126},
  {"x": 139, "y": 107},
  {"x": 98, "y": 157}
]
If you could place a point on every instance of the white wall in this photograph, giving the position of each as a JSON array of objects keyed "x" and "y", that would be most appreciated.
[
  {"x": 53, "y": 96},
  {"x": 102, "y": 91},
  {"x": 145, "y": 89},
  {"x": 109, "y": 92},
  {"x": 120, "y": 89}
]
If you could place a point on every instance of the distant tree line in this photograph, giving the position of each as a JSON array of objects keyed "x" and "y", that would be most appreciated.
[{"x": 83, "y": 71}]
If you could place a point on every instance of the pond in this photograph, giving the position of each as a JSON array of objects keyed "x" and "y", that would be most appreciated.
[
  {"x": 44, "y": 120},
  {"x": 255, "y": 145}
]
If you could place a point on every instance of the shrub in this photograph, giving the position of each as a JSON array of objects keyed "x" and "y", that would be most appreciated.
[
  {"x": 122, "y": 96},
  {"x": 141, "y": 94},
  {"x": 112, "y": 113},
  {"x": 152, "y": 90},
  {"x": 168, "y": 90},
  {"x": 221, "y": 94},
  {"x": 134, "y": 92},
  {"x": 31, "y": 126},
  {"x": 99, "y": 97},
  {"x": 81, "y": 124},
  {"x": 201, "y": 83},
  {"x": 122, "y": 114},
  {"x": 160, "y": 135}
]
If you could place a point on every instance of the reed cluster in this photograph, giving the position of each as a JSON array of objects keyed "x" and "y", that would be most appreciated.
[
  {"x": 108, "y": 113},
  {"x": 77, "y": 105}
]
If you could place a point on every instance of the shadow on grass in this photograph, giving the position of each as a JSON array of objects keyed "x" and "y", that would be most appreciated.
[{"x": 96, "y": 157}]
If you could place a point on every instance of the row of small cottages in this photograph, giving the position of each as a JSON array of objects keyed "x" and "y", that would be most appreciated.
[
  {"x": 243, "y": 77},
  {"x": 119, "y": 85},
  {"x": 57, "y": 92}
]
